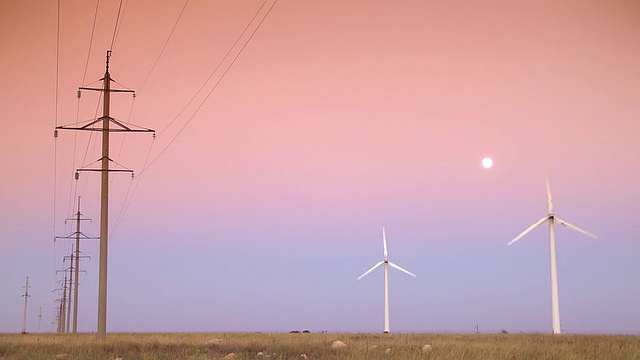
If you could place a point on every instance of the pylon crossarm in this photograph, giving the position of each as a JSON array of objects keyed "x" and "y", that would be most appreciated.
[
  {"x": 133, "y": 130},
  {"x": 84, "y": 236},
  {"x": 76, "y": 219},
  {"x": 110, "y": 170},
  {"x": 81, "y": 236},
  {"x": 83, "y": 127},
  {"x": 73, "y": 257},
  {"x": 110, "y": 90},
  {"x": 127, "y": 128},
  {"x": 89, "y": 126}
]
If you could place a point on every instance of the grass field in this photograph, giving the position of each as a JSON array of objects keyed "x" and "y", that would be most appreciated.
[{"x": 318, "y": 346}]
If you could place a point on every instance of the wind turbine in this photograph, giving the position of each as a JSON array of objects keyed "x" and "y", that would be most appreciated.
[
  {"x": 386, "y": 264},
  {"x": 555, "y": 305}
]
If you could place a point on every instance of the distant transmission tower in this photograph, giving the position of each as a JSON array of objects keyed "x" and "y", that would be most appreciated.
[
  {"x": 74, "y": 273},
  {"x": 71, "y": 270},
  {"x": 26, "y": 297},
  {"x": 104, "y": 208},
  {"x": 57, "y": 310},
  {"x": 39, "y": 318},
  {"x": 63, "y": 308},
  {"x": 75, "y": 255}
]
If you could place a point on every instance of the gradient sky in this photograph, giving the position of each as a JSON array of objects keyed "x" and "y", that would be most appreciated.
[{"x": 338, "y": 118}]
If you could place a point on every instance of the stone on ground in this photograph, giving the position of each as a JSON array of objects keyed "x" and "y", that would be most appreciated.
[
  {"x": 215, "y": 342},
  {"x": 338, "y": 345}
]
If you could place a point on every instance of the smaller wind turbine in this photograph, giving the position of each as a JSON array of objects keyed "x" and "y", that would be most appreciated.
[
  {"x": 386, "y": 264},
  {"x": 555, "y": 304}
]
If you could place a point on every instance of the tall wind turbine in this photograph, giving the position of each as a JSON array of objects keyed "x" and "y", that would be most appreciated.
[
  {"x": 386, "y": 264},
  {"x": 555, "y": 305}
]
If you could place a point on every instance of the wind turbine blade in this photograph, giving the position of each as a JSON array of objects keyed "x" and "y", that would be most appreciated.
[
  {"x": 529, "y": 229},
  {"x": 384, "y": 241},
  {"x": 401, "y": 269},
  {"x": 575, "y": 228},
  {"x": 370, "y": 270},
  {"x": 549, "y": 199}
]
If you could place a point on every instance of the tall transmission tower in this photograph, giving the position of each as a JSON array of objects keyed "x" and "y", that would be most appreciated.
[
  {"x": 78, "y": 235},
  {"x": 26, "y": 297},
  {"x": 106, "y": 120}
]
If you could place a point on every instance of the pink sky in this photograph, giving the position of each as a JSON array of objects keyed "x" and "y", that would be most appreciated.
[{"x": 337, "y": 119}]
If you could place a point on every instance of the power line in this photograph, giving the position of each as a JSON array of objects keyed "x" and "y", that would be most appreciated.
[
  {"x": 115, "y": 29},
  {"x": 57, "y": 62},
  {"x": 164, "y": 46},
  {"x": 125, "y": 208},
  {"x": 216, "y": 68},
  {"x": 124, "y": 12},
  {"x": 93, "y": 29},
  {"x": 214, "y": 87},
  {"x": 125, "y": 204},
  {"x": 72, "y": 193},
  {"x": 124, "y": 137},
  {"x": 55, "y": 132}
]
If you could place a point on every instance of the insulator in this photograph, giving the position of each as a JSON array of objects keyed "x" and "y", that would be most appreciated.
[
  {"x": 134, "y": 95},
  {"x": 77, "y": 175},
  {"x": 55, "y": 133},
  {"x": 79, "y": 94}
]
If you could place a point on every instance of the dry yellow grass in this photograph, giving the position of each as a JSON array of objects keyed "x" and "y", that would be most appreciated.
[{"x": 318, "y": 346}]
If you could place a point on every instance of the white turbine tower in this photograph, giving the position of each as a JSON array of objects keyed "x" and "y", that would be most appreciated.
[
  {"x": 555, "y": 305},
  {"x": 386, "y": 264}
]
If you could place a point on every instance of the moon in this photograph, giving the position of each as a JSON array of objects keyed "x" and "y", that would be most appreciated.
[{"x": 487, "y": 163}]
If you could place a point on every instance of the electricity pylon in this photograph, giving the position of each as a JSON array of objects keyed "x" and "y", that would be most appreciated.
[
  {"x": 78, "y": 235},
  {"x": 56, "y": 312},
  {"x": 74, "y": 272},
  {"x": 26, "y": 296},
  {"x": 104, "y": 206},
  {"x": 63, "y": 303},
  {"x": 39, "y": 318},
  {"x": 68, "y": 316}
]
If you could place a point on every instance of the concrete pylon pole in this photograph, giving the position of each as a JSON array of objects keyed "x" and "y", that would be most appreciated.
[
  {"x": 77, "y": 267},
  {"x": 104, "y": 208},
  {"x": 26, "y": 297},
  {"x": 68, "y": 327},
  {"x": 60, "y": 312},
  {"x": 63, "y": 307},
  {"x": 39, "y": 318}
]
